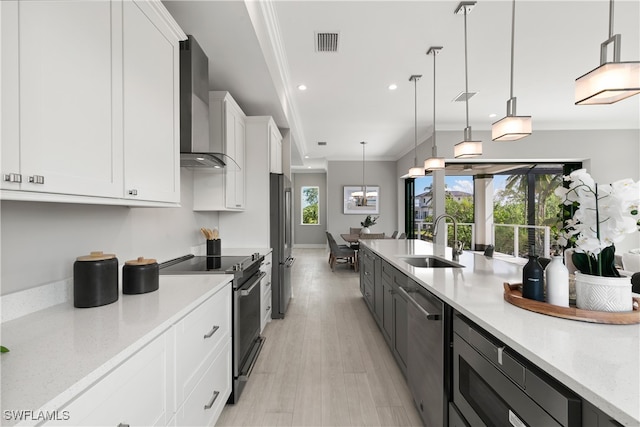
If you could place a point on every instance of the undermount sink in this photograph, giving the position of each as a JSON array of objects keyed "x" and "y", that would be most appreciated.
[{"x": 430, "y": 262}]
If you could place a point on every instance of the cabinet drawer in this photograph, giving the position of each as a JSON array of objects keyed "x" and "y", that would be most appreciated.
[
  {"x": 387, "y": 271},
  {"x": 205, "y": 403},
  {"x": 135, "y": 393},
  {"x": 197, "y": 336},
  {"x": 368, "y": 294}
]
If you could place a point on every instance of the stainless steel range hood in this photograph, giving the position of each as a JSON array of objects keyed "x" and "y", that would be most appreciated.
[{"x": 195, "y": 145}]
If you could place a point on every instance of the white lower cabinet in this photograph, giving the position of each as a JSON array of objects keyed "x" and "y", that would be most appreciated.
[
  {"x": 181, "y": 378},
  {"x": 205, "y": 403},
  {"x": 135, "y": 393},
  {"x": 265, "y": 288},
  {"x": 203, "y": 332}
]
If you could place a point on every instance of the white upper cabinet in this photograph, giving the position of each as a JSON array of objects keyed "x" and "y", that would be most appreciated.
[
  {"x": 223, "y": 190},
  {"x": 89, "y": 101},
  {"x": 275, "y": 150},
  {"x": 151, "y": 82},
  {"x": 58, "y": 119}
]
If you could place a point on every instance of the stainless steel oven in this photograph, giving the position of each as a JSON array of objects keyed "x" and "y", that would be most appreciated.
[
  {"x": 245, "y": 307},
  {"x": 494, "y": 386}
]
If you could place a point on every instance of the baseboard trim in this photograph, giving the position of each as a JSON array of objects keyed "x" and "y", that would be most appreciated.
[{"x": 309, "y": 246}]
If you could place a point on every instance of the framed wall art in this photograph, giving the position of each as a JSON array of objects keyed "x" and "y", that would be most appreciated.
[{"x": 360, "y": 200}]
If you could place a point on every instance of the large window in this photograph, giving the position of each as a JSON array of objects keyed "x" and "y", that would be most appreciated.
[
  {"x": 525, "y": 198},
  {"x": 458, "y": 203},
  {"x": 310, "y": 203}
]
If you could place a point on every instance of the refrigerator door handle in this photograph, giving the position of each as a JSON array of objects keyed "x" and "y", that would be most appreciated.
[{"x": 289, "y": 262}]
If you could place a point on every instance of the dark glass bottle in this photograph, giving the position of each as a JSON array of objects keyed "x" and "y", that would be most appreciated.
[{"x": 533, "y": 279}]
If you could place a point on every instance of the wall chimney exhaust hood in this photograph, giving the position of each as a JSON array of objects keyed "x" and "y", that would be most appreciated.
[{"x": 195, "y": 145}]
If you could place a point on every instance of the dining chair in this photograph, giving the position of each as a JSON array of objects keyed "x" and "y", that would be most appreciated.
[
  {"x": 354, "y": 230},
  {"x": 402, "y": 236},
  {"x": 395, "y": 234},
  {"x": 337, "y": 253}
]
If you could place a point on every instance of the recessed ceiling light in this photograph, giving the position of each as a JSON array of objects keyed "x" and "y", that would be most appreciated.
[
  {"x": 492, "y": 115},
  {"x": 306, "y": 157},
  {"x": 393, "y": 86},
  {"x": 308, "y": 167},
  {"x": 302, "y": 87}
]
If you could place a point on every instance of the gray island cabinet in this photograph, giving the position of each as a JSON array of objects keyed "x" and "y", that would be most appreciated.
[{"x": 415, "y": 308}]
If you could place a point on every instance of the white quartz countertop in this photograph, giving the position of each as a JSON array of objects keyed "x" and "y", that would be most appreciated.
[
  {"x": 601, "y": 363},
  {"x": 62, "y": 350}
]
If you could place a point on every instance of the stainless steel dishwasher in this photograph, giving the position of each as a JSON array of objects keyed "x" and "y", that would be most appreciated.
[{"x": 425, "y": 358}]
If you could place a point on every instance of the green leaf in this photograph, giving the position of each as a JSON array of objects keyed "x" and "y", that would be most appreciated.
[
  {"x": 589, "y": 265},
  {"x": 3, "y": 349}
]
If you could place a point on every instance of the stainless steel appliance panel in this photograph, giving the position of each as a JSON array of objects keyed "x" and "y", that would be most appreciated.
[
  {"x": 425, "y": 358},
  {"x": 520, "y": 395},
  {"x": 281, "y": 243}
]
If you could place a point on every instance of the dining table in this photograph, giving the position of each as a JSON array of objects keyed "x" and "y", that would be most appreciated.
[{"x": 350, "y": 238}]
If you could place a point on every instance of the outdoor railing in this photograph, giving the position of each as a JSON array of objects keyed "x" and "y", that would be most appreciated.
[
  {"x": 520, "y": 239},
  {"x": 424, "y": 227},
  {"x": 518, "y": 243}
]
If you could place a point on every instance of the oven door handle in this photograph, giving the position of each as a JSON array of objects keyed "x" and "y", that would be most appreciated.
[{"x": 245, "y": 292}]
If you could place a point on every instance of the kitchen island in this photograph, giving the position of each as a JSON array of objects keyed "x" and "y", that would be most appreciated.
[{"x": 601, "y": 363}]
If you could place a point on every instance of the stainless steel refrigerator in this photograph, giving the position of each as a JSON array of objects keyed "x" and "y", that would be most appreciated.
[{"x": 281, "y": 242}]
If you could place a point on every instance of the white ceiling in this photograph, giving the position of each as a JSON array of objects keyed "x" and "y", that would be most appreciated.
[{"x": 261, "y": 51}]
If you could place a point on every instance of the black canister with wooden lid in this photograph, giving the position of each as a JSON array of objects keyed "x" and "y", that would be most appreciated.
[
  {"x": 95, "y": 280},
  {"x": 140, "y": 276}
]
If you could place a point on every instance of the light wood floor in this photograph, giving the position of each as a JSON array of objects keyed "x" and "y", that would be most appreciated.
[{"x": 326, "y": 363}]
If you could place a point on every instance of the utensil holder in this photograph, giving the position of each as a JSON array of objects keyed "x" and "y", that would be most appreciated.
[{"x": 214, "y": 247}]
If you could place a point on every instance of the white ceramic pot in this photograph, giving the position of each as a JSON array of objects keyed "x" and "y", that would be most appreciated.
[
  {"x": 365, "y": 230},
  {"x": 603, "y": 293}
]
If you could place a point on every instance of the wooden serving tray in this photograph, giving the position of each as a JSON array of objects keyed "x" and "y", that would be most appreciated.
[{"x": 513, "y": 295}]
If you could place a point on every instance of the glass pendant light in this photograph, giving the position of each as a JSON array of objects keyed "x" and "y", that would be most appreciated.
[
  {"x": 512, "y": 127},
  {"x": 611, "y": 81},
  {"x": 434, "y": 162},
  {"x": 468, "y": 147},
  {"x": 415, "y": 171}
]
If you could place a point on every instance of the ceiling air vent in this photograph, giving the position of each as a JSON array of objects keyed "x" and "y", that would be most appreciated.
[
  {"x": 463, "y": 96},
  {"x": 327, "y": 42}
]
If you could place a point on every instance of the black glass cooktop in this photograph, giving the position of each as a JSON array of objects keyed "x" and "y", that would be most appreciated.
[{"x": 203, "y": 264}]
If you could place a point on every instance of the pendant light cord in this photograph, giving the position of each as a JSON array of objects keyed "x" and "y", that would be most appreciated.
[
  {"x": 434, "y": 150},
  {"x": 610, "y": 18},
  {"x": 513, "y": 31},
  {"x": 466, "y": 77},
  {"x": 364, "y": 186},
  {"x": 415, "y": 127}
]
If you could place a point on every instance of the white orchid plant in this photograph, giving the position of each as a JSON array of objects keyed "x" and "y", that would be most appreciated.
[{"x": 605, "y": 214}]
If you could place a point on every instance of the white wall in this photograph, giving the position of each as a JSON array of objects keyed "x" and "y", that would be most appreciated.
[
  {"x": 609, "y": 155},
  {"x": 40, "y": 241},
  {"x": 381, "y": 173}
]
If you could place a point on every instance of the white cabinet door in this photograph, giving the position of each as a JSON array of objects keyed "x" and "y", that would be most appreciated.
[
  {"x": 135, "y": 393},
  {"x": 66, "y": 116},
  {"x": 223, "y": 190},
  {"x": 151, "y": 107},
  {"x": 275, "y": 149},
  {"x": 235, "y": 149}
]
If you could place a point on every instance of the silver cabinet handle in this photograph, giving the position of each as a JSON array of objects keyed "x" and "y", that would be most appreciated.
[
  {"x": 36, "y": 179},
  {"x": 212, "y": 401},
  {"x": 425, "y": 313},
  {"x": 211, "y": 332},
  {"x": 13, "y": 177},
  {"x": 123, "y": 425},
  {"x": 133, "y": 192}
]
